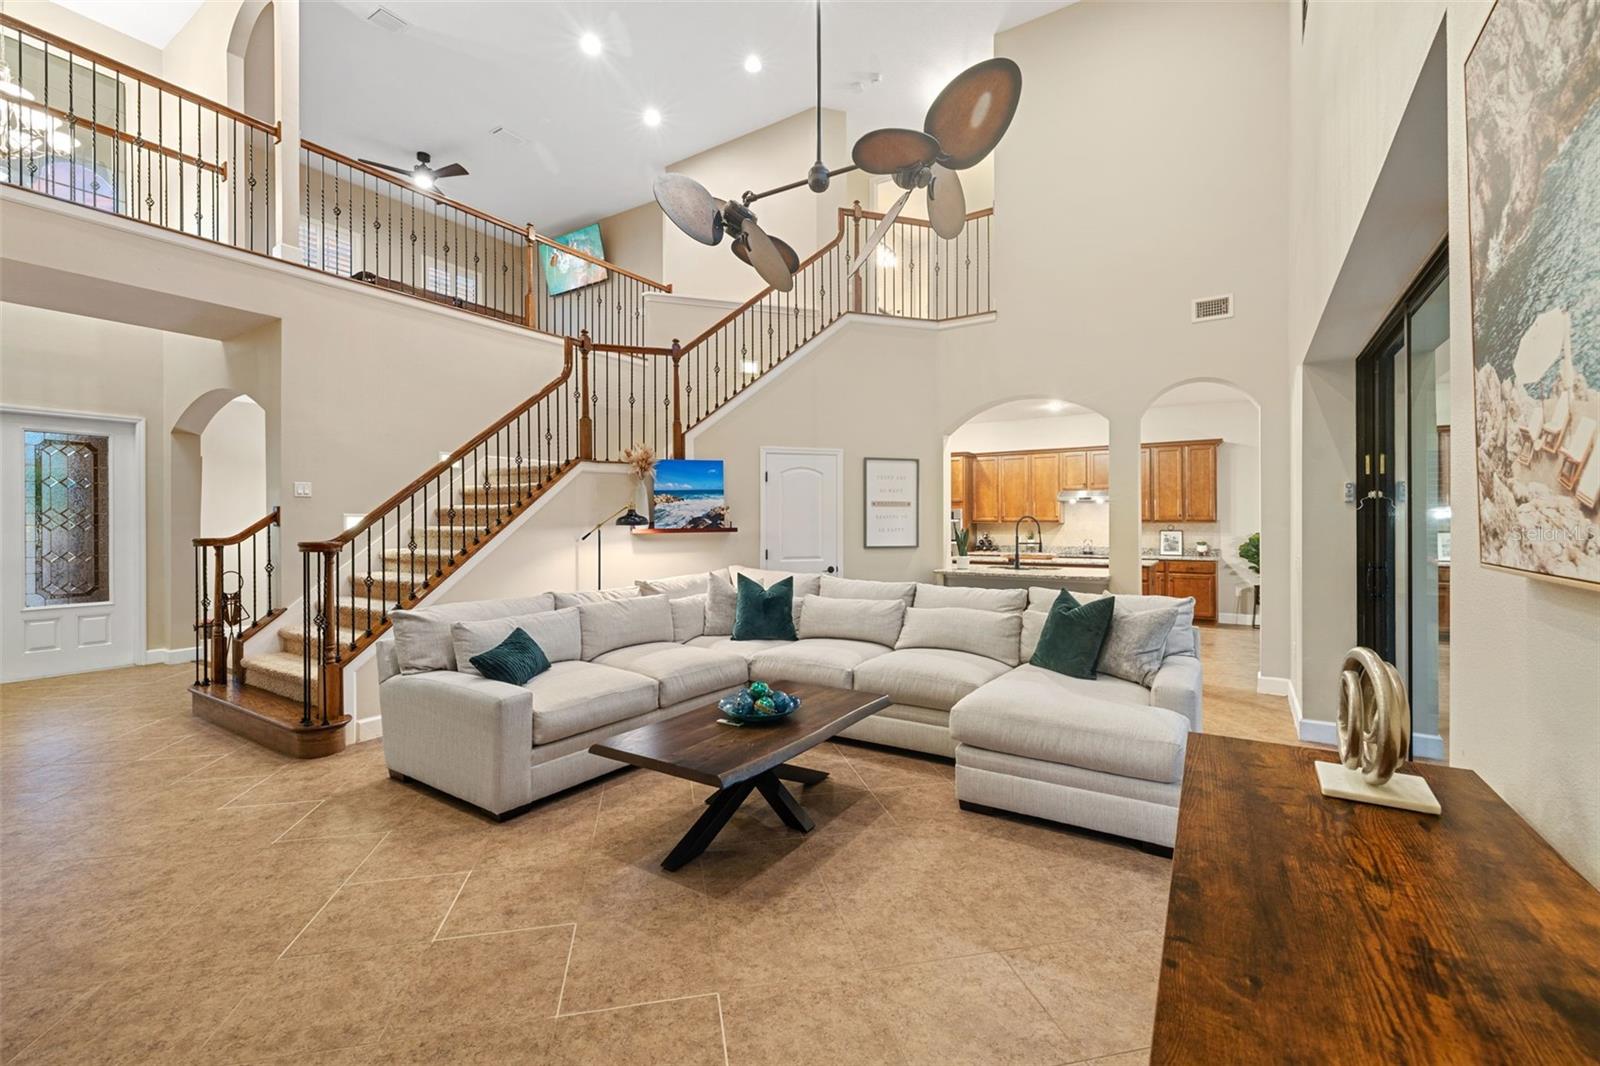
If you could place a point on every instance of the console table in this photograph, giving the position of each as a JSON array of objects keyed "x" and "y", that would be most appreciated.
[{"x": 1305, "y": 929}]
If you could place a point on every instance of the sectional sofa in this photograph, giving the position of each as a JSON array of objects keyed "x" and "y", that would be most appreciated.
[{"x": 1104, "y": 754}]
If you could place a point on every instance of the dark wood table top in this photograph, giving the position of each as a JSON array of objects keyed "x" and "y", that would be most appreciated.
[
  {"x": 695, "y": 745},
  {"x": 1302, "y": 929}
]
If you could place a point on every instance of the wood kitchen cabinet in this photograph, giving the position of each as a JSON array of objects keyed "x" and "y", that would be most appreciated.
[
  {"x": 1184, "y": 577},
  {"x": 1074, "y": 470},
  {"x": 1013, "y": 487},
  {"x": 1100, "y": 468},
  {"x": 1044, "y": 484},
  {"x": 1179, "y": 482},
  {"x": 1147, "y": 493},
  {"x": 958, "y": 485},
  {"x": 1200, "y": 482},
  {"x": 1166, "y": 483},
  {"x": 985, "y": 488}
]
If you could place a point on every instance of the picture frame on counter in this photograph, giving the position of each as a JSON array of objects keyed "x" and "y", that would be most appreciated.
[
  {"x": 891, "y": 496},
  {"x": 1170, "y": 543}
]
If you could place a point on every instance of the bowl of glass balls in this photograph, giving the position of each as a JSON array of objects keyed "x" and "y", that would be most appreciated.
[{"x": 759, "y": 703}]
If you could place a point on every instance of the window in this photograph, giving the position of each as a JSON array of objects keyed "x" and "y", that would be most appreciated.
[
  {"x": 66, "y": 539},
  {"x": 325, "y": 251}
]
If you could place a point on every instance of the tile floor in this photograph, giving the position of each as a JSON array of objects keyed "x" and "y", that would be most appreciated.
[{"x": 170, "y": 893}]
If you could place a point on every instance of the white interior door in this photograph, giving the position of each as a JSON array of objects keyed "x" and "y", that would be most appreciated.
[
  {"x": 71, "y": 547},
  {"x": 802, "y": 509}
]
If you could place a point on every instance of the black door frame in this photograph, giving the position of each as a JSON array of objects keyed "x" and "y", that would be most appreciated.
[{"x": 1377, "y": 542}]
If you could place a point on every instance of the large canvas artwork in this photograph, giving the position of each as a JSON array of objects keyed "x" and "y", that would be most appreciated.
[
  {"x": 563, "y": 273},
  {"x": 688, "y": 494},
  {"x": 1533, "y": 159}
]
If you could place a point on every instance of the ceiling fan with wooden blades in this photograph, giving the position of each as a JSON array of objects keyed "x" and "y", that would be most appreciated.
[
  {"x": 423, "y": 175},
  {"x": 963, "y": 125}
]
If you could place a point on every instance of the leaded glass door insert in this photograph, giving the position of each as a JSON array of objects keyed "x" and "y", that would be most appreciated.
[{"x": 67, "y": 524}]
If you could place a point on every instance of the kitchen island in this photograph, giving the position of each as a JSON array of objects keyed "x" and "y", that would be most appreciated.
[{"x": 1079, "y": 575}]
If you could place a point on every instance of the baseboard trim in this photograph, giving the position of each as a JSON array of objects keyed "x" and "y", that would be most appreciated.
[
  {"x": 1427, "y": 746},
  {"x": 1311, "y": 730},
  {"x": 369, "y": 728},
  {"x": 168, "y": 656},
  {"x": 1268, "y": 685},
  {"x": 1227, "y": 618}
]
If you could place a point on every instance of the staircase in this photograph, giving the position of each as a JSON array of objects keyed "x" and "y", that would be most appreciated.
[{"x": 607, "y": 398}]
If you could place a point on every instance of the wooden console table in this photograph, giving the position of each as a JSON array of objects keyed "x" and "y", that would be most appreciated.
[{"x": 1308, "y": 930}]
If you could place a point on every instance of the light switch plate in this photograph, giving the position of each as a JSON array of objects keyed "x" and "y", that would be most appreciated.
[
  {"x": 302, "y": 489},
  {"x": 1349, "y": 492}
]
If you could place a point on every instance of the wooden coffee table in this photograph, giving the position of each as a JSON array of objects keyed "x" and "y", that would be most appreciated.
[{"x": 738, "y": 760}]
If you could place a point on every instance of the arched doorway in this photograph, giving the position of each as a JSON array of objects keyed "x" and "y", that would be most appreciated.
[
  {"x": 1033, "y": 476},
  {"x": 252, "y": 61}
]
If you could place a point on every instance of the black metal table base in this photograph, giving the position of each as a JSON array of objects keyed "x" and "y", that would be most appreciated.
[{"x": 721, "y": 805}]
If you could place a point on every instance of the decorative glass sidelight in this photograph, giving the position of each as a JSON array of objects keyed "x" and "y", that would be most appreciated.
[{"x": 67, "y": 520}]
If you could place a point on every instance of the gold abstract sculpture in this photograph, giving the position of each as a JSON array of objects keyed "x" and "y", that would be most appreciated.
[
  {"x": 1374, "y": 717},
  {"x": 1374, "y": 738}
]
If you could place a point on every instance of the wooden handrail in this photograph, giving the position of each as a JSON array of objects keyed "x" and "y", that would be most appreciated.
[
  {"x": 540, "y": 238},
  {"x": 443, "y": 465},
  {"x": 99, "y": 60},
  {"x": 244, "y": 534},
  {"x": 395, "y": 179},
  {"x": 758, "y": 297},
  {"x": 878, "y": 216}
]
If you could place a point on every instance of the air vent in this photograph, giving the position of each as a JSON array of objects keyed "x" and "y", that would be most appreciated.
[
  {"x": 509, "y": 134},
  {"x": 1212, "y": 307},
  {"x": 382, "y": 16}
]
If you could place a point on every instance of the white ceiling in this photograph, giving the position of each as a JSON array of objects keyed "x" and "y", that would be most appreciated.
[
  {"x": 461, "y": 69},
  {"x": 155, "y": 22}
]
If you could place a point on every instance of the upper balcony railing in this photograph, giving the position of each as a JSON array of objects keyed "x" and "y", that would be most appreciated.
[{"x": 84, "y": 128}]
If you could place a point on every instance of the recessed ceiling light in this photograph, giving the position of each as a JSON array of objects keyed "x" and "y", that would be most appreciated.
[
  {"x": 752, "y": 64},
  {"x": 652, "y": 117},
  {"x": 590, "y": 44}
]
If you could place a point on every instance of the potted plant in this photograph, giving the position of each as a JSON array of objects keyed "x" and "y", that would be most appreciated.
[
  {"x": 1250, "y": 552},
  {"x": 962, "y": 537}
]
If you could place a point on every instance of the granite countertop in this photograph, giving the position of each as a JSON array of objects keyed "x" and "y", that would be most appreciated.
[{"x": 1146, "y": 560}]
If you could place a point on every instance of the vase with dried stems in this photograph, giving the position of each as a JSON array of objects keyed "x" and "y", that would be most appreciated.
[{"x": 641, "y": 462}]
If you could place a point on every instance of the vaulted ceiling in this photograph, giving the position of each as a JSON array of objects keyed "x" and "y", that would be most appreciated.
[{"x": 576, "y": 147}]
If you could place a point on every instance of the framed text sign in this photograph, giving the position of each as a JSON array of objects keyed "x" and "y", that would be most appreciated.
[{"x": 891, "y": 503}]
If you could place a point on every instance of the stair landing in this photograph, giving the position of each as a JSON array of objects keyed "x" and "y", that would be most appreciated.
[{"x": 268, "y": 719}]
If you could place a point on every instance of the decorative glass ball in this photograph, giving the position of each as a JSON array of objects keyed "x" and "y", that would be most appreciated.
[
  {"x": 766, "y": 705},
  {"x": 759, "y": 689}
]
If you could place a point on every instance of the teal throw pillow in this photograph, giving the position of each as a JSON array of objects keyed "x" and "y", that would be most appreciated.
[
  {"x": 764, "y": 613},
  {"x": 1073, "y": 635},
  {"x": 516, "y": 660}
]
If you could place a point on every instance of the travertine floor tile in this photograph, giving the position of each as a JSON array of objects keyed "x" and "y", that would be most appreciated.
[
  {"x": 971, "y": 1010},
  {"x": 684, "y": 1032},
  {"x": 839, "y": 1022},
  {"x": 378, "y": 916},
  {"x": 1100, "y": 988}
]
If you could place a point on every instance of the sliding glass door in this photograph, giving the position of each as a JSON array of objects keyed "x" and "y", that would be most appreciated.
[{"x": 1403, "y": 499}]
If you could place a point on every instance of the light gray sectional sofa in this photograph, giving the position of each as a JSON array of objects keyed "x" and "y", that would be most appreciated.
[{"x": 1104, "y": 754}]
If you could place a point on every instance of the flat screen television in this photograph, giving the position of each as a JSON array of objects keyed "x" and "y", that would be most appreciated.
[{"x": 563, "y": 273}]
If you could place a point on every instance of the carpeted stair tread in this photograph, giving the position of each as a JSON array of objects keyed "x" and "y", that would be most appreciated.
[{"x": 279, "y": 672}]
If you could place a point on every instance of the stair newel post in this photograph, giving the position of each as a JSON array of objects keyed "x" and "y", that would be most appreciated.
[
  {"x": 855, "y": 245},
  {"x": 530, "y": 289},
  {"x": 585, "y": 410},
  {"x": 677, "y": 401},
  {"x": 219, "y": 627},
  {"x": 332, "y": 676}
]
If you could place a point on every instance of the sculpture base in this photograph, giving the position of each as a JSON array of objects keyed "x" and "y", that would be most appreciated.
[{"x": 1408, "y": 792}]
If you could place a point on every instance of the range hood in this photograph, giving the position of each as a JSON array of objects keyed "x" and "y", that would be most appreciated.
[{"x": 1084, "y": 496}]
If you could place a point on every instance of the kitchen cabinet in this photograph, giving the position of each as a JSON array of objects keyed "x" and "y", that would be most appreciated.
[
  {"x": 958, "y": 485},
  {"x": 985, "y": 488},
  {"x": 1100, "y": 468},
  {"x": 1044, "y": 483},
  {"x": 1184, "y": 577},
  {"x": 1147, "y": 493},
  {"x": 1166, "y": 477},
  {"x": 1200, "y": 482},
  {"x": 1074, "y": 470},
  {"x": 1013, "y": 477}
]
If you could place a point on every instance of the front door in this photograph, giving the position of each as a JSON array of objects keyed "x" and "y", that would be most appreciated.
[
  {"x": 71, "y": 572},
  {"x": 802, "y": 507}
]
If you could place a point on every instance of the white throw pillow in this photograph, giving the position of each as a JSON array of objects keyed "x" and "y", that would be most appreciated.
[
  {"x": 422, "y": 637},
  {"x": 613, "y": 624},
  {"x": 573, "y": 599},
  {"x": 688, "y": 617},
  {"x": 1032, "y": 627},
  {"x": 994, "y": 634},
  {"x": 845, "y": 588},
  {"x": 677, "y": 587},
  {"x": 877, "y": 621},
  {"x": 556, "y": 632},
  {"x": 974, "y": 598}
]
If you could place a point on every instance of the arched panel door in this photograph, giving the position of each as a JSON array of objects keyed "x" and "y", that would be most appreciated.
[{"x": 802, "y": 510}]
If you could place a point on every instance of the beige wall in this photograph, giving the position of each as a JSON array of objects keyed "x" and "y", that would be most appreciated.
[
  {"x": 1523, "y": 665},
  {"x": 633, "y": 239},
  {"x": 86, "y": 32},
  {"x": 233, "y": 468},
  {"x": 1112, "y": 218}
]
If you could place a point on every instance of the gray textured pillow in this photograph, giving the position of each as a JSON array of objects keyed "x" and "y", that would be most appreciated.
[
  {"x": 877, "y": 621},
  {"x": 556, "y": 632},
  {"x": 845, "y": 588},
  {"x": 1183, "y": 640},
  {"x": 994, "y": 634},
  {"x": 613, "y": 624},
  {"x": 1136, "y": 643},
  {"x": 674, "y": 588},
  {"x": 573, "y": 599},
  {"x": 688, "y": 616},
  {"x": 422, "y": 637},
  {"x": 974, "y": 598}
]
